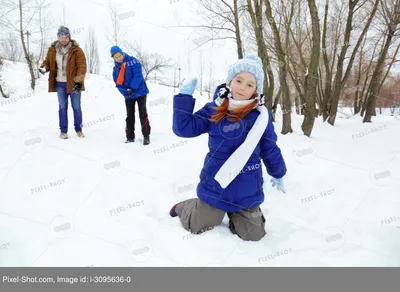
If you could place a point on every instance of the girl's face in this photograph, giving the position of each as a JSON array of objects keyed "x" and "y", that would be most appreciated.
[
  {"x": 118, "y": 57},
  {"x": 243, "y": 86}
]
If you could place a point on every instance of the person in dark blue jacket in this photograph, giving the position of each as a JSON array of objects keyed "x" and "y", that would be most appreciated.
[
  {"x": 241, "y": 137},
  {"x": 129, "y": 80}
]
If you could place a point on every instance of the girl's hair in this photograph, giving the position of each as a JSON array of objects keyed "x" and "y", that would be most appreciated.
[{"x": 234, "y": 114}]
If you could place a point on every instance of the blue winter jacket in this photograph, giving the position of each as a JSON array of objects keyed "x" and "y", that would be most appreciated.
[
  {"x": 246, "y": 190},
  {"x": 133, "y": 77}
]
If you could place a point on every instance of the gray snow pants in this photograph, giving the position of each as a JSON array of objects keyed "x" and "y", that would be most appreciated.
[{"x": 198, "y": 217}]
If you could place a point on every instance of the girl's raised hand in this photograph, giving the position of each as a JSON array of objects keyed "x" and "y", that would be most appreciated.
[{"x": 188, "y": 86}]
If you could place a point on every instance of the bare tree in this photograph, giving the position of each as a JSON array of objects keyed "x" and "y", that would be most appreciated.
[
  {"x": 281, "y": 55},
  {"x": 6, "y": 7},
  {"x": 151, "y": 62},
  {"x": 1, "y": 79},
  {"x": 337, "y": 85},
  {"x": 336, "y": 28},
  {"x": 92, "y": 52},
  {"x": 312, "y": 72},
  {"x": 29, "y": 11},
  {"x": 390, "y": 14},
  {"x": 211, "y": 84},
  {"x": 258, "y": 25},
  {"x": 44, "y": 23},
  {"x": 64, "y": 14},
  {"x": 357, "y": 83},
  {"x": 329, "y": 51},
  {"x": 201, "y": 71},
  {"x": 340, "y": 77},
  {"x": 221, "y": 20},
  {"x": 11, "y": 48},
  {"x": 392, "y": 61},
  {"x": 28, "y": 57},
  {"x": 235, "y": 12},
  {"x": 299, "y": 48},
  {"x": 115, "y": 34},
  {"x": 366, "y": 68}
]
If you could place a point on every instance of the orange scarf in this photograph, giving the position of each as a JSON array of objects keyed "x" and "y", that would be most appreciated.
[{"x": 121, "y": 75}]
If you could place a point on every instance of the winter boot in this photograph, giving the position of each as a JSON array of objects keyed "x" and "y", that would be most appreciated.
[
  {"x": 63, "y": 135},
  {"x": 80, "y": 134},
  {"x": 172, "y": 212},
  {"x": 146, "y": 140},
  {"x": 128, "y": 140}
]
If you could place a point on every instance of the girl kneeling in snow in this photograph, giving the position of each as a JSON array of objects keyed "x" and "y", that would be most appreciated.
[{"x": 241, "y": 134}]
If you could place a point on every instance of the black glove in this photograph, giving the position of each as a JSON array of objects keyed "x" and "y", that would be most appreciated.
[
  {"x": 129, "y": 92},
  {"x": 77, "y": 88},
  {"x": 42, "y": 70}
]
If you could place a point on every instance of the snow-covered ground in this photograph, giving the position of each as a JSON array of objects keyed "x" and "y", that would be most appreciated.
[{"x": 100, "y": 202}]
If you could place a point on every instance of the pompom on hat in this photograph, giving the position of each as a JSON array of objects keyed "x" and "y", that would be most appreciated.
[{"x": 63, "y": 31}]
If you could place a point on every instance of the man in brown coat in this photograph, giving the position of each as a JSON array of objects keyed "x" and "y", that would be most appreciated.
[{"x": 66, "y": 62}]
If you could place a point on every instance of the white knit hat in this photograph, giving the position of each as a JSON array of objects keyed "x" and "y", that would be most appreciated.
[{"x": 251, "y": 64}]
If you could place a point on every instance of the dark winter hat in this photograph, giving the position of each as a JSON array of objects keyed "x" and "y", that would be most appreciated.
[
  {"x": 115, "y": 49},
  {"x": 63, "y": 31}
]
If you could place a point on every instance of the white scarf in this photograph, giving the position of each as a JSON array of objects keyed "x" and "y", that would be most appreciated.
[
  {"x": 235, "y": 163},
  {"x": 234, "y": 104},
  {"x": 63, "y": 51}
]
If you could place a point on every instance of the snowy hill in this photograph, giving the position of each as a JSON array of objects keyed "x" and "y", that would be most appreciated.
[{"x": 99, "y": 202}]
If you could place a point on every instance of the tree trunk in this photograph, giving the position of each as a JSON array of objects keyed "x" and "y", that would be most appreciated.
[
  {"x": 390, "y": 65},
  {"x": 337, "y": 85},
  {"x": 297, "y": 104},
  {"x": 333, "y": 99},
  {"x": 271, "y": 81},
  {"x": 328, "y": 78},
  {"x": 275, "y": 105},
  {"x": 360, "y": 39},
  {"x": 365, "y": 99},
  {"x": 2, "y": 92},
  {"x": 376, "y": 78},
  {"x": 237, "y": 30},
  {"x": 256, "y": 18},
  {"x": 312, "y": 77},
  {"x": 27, "y": 56},
  {"x": 366, "y": 89},
  {"x": 286, "y": 102},
  {"x": 356, "y": 105},
  {"x": 357, "y": 95}
]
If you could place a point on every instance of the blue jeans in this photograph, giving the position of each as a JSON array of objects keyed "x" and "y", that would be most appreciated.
[{"x": 62, "y": 94}]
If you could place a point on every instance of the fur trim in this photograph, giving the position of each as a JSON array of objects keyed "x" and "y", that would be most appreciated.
[{"x": 74, "y": 43}]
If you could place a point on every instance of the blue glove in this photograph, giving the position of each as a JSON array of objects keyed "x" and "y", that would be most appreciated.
[
  {"x": 188, "y": 86},
  {"x": 278, "y": 182}
]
